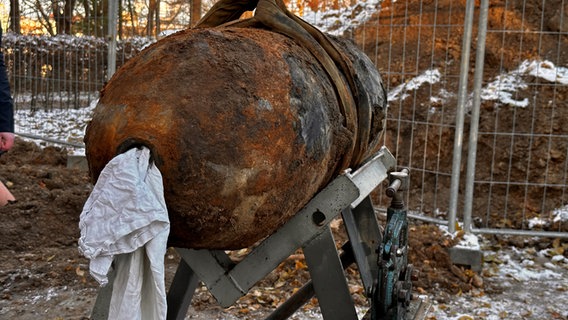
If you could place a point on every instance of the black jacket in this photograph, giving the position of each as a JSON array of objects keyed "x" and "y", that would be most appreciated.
[{"x": 6, "y": 102}]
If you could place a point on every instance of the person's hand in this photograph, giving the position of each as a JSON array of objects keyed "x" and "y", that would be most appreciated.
[{"x": 6, "y": 141}]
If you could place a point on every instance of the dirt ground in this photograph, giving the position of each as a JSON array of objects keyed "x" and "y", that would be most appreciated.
[
  {"x": 43, "y": 276},
  {"x": 42, "y": 273}
]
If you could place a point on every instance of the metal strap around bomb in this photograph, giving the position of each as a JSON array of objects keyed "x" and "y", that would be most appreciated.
[{"x": 274, "y": 15}]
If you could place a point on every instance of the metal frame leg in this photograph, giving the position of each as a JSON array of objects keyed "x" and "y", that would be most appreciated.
[
  {"x": 330, "y": 284},
  {"x": 181, "y": 291},
  {"x": 365, "y": 236},
  {"x": 306, "y": 292},
  {"x": 102, "y": 304}
]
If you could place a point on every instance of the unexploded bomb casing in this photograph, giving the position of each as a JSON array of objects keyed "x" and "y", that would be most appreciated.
[{"x": 244, "y": 125}]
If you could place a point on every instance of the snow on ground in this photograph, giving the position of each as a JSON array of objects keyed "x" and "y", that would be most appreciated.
[
  {"x": 61, "y": 126},
  {"x": 560, "y": 214},
  {"x": 336, "y": 22},
  {"x": 502, "y": 89},
  {"x": 504, "y": 86},
  {"x": 518, "y": 284},
  {"x": 401, "y": 91}
]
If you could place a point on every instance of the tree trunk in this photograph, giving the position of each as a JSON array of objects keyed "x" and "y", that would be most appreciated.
[
  {"x": 158, "y": 27},
  {"x": 195, "y": 12},
  {"x": 120, "y": 21},
  {"x": 104, "y": 17},
  {"x": 133, "y": 19},
  {"x": 58, "y": 17},
  {"x": 87, "y": 18},
  {"x": 15, "y": 16},
  {"x": 43, "y": 18},
  {"x": 150, "y": 18},
  {"x": 68, "y": 15},
  {"x": 63, "y": 16}
]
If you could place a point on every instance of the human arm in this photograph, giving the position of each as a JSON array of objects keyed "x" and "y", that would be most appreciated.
[{"x": 6, "y": 141}]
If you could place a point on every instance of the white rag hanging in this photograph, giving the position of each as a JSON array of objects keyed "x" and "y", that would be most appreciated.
[{"x": 125, "y": 220}]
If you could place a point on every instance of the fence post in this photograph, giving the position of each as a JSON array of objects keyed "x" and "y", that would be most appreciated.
[
  {"x": 472, "y": 149},
  {"x": 460, "y": 112},
  {"x": 112, "y": 32}
]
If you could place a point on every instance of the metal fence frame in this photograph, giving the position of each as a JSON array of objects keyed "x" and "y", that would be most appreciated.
[{"x": 473, "y": 136}]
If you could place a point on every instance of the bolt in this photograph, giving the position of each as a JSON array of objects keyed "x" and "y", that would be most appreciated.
[
  {"x": 402, "y": 295},
  {"x": 415, "y": 275},
  {"x": 399, "y": 252}
]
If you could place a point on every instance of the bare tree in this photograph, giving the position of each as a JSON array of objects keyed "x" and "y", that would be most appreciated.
[
  {"x": 153, "y": 17},
  {"x": 43, "y": 17},
  {"x": 90, "y": 17},
  {"x": 133, "y": 17},
  {"x": 55, "y": 16},
  {"x": 157, "y": 17},
  {"x": 120, "y": 20},
  {"x": 63, "y": 15},
  {"x": 94, "y": 21},
  {"x": 177, "y": 14}
]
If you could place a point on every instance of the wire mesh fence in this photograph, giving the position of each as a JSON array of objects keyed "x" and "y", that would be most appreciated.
[
  {"x": 521, "y": 169},
  {"x": 416, "y": 46},
  {"x": 55, "y": 79},
  {"x": 520, "y": 180}
]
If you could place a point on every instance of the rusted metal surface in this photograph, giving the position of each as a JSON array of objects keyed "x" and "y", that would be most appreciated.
[{"x": 244, "y": 125}]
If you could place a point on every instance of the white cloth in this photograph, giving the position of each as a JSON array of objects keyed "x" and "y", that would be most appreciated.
[{"x": 125, "y": 220}]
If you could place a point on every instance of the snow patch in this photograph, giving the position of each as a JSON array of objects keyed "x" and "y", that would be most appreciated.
[
  {"x": 399, "y": 92},
  {"x": 337, "y": 22},
  {"x": 66, "y": 125},
  {"x": 502, "y": 89},
  {"x": 504, "y": 86},
  {"x": 469, "y": 241},
  {"x": 537, "y": 222},
  {"x": 560, "y": 214},
  {"x": 523, "y": 272}
]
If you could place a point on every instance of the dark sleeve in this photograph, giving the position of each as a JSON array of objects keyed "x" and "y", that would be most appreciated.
[{"x": 6, "y": 102}]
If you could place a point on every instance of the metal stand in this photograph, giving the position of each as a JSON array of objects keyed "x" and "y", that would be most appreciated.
[
  {"x": 392, "y": 294},
  {"x": 309, "y": 229}
]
